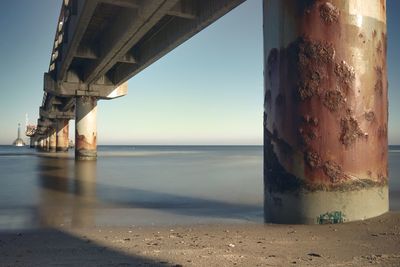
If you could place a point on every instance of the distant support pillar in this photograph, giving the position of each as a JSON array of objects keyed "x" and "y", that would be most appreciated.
[
  {"x": 62, "y": 135},
  {"x": 41, "y": 144},
  {"x": 47, "y": 143},
  {"x": 86, "y": 128},
  {"x": 325, "y": 111},
  {"x": 52, "y": 140},
  {"x": 32, "y": 141}
]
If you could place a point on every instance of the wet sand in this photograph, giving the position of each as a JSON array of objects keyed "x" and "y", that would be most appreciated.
[{"x": 374, "y": 242}]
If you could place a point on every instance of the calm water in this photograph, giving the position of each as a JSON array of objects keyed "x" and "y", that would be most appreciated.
[{"x": 139, "y": 185}]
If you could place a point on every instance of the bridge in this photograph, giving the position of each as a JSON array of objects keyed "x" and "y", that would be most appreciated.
[
  {"x": 325, "y": 85},
  {"x": 99, "y": 45}
]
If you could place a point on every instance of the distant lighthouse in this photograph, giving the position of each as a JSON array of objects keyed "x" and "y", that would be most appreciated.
[{"x": 19, "y": 141}]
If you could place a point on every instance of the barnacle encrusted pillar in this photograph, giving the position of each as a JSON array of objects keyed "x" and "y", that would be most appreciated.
[
  {"x": 325, "y": 111},
  {"x": 86, "y": 128}
]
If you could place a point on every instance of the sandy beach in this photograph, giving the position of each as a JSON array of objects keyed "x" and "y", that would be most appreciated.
[{"x": 374, "y": 242}]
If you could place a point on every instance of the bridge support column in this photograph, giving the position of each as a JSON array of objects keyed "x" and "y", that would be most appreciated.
[
  {"x": 44, "y": 144},
  {"x": 47, "y": 143},
  {"x": 41, "y": 144},
  {"x": 52, "y": 140},
  {"x": 32, "y": 142},
  {"x": 86, "y": 128},
  {"x": 62, "y": 135},
  {"x": 325, "y": 111}
]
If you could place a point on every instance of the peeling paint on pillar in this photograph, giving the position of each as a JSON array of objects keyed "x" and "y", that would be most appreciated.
[
  {"x": 86, "y": 128},
  {"x": 62, "y": 135},
  {"x": 330, "y": 108}
]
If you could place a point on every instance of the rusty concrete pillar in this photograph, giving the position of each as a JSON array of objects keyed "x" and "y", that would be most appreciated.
[
  {"x": 47, "y": 143},
  {"x": 86, "y": 128},
  {"x": 62, "y": 135},
  {"x": 41, "y": 144},
  {"x": 325, "y": 112},
  {"x": 31, "y": 142},
  {"x": 52, "y": 140},
  {"x": 44, "y": 144}
]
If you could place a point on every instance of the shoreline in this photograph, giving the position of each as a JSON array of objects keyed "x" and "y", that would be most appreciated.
[{"x": 373, "y": 242}]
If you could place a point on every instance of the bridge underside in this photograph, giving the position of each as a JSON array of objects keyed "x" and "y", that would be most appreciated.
[
  {"x": 99, "y": 45},
  {"x": 325, "y": 85}
]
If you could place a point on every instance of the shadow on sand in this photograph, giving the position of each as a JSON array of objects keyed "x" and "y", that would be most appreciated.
[{"x": 51, "y": 247}]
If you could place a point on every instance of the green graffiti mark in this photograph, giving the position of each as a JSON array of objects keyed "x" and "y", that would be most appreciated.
[{"x": 331, "y": 217}]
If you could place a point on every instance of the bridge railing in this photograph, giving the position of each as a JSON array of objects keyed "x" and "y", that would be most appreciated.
[{"x": 30, "y": 130}]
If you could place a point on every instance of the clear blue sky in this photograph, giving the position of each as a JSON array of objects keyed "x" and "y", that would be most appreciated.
[{"x": 207, "y": 91}]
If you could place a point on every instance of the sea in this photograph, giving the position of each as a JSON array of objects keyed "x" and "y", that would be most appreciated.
[{"x": 140, "y": 185}]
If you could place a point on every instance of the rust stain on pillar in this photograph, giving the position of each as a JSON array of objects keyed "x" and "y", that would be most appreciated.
[
  {"x": 86, "y": 142},
  {"x": 52, "y": 140},
  {"x": 62, "y": 135},
  {"x": 329, "y": 135},
  {"x": 86, "y": 128}
]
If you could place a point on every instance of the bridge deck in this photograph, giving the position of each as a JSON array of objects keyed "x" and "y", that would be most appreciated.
[{"x": 100, "y": 44}]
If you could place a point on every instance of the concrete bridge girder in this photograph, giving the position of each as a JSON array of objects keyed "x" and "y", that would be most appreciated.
[
  {"x": 44, "y": 123},
  {"x": 55, "y": 114},
  {"x": 76, "y": 88}
]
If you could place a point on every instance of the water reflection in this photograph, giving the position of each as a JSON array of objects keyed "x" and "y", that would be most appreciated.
[
  {"x": 67, "y": 194},
  {"x": 84, "y": 187},
  {"x": 75, "y": 193}
]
